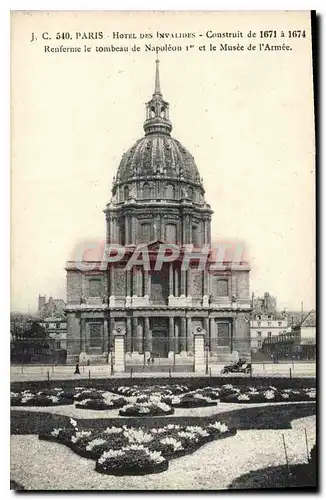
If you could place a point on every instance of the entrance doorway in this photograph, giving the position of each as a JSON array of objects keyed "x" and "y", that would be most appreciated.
[{"x": 160, "y": 337}]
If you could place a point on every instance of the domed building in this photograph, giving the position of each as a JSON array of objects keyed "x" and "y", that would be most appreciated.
[{"x": 158, "y": 213}]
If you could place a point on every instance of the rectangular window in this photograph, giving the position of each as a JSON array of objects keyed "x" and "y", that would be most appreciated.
[
  {"x": 95, "y": 335},
  {"x": 223, "y": 334},
  {"x": 258, "y": 334},
  {"x": 222, "y": 288},
  {"x": 94, "y": 288},
  {"x": 269, "y": 334}
]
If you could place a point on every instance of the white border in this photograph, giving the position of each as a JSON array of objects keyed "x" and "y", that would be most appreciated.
[{"x": 5, "y": 7}]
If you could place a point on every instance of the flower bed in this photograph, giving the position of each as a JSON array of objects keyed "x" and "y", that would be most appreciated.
[
  {"x": 148, "y": 409},
  {"x": 41, "y": 398},
  {"x": 268, "y": 395},
  {"x": 131, "y": 460},
  {"x": 103, "y": 403},
  {"x": 192, "y": 400},
  {"x": 154, "y": 390},
  {"x": 128, "y": 450}
]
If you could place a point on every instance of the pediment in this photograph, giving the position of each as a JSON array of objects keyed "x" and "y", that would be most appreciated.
[{"x": 154, "y": 246}]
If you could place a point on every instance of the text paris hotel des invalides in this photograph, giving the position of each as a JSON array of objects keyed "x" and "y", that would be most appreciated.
[{"x": 148, "y": 47}]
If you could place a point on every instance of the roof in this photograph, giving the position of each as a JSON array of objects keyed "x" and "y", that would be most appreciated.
[
  {"x": 158, "y": 155},
  {"x": 309, "y": 320}
]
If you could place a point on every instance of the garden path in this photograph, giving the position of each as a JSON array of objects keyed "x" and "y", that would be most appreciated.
[{"x": 73, "y": 412}]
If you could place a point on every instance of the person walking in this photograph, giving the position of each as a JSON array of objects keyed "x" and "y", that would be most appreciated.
[{"x": 77, "y": 372}]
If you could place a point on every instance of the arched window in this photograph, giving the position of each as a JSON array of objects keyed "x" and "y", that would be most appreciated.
[
  {"x": 190, "y": 193},
  {"x": 145, "y": 233},
  {"x": 169, "y": 191},
  {"x": 171, "y": 233},
  {"x": 194, "y": 234},
  {"x": 126, "y": 192},
  {"x": 146, "y": 191},
  {"x": 222, "y": 288}
]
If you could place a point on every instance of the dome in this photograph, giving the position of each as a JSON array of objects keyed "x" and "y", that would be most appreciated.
[{"x": 158, "y": 155}]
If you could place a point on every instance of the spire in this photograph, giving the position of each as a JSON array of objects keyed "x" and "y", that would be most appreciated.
[
  {"x": 157, "y": 90},
  {"x": 157, "y": 109}
]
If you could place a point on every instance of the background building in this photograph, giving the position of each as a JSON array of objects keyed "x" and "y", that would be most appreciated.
[
  {"x": 305, "y": 332},
  {"x": 51, "y": 307},
  {"x": 56, "y": 329},
  {"x": 158, "y": 196}
]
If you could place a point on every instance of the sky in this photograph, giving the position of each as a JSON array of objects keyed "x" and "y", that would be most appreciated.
[{"x": 247, "y": 118}]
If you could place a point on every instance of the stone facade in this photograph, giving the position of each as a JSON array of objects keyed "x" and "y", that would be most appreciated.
[{"x": 158, "y": 198}]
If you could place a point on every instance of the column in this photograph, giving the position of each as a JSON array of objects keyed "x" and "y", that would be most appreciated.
[
  {"x": 108, "y": 230},
  {"x": 129, "y": 335},
  {"x": 139, "y": 282},
  {"x": 171, "y": 334},
  {"x": 205, "y": 231},
  {"x": 171, "y": 291},
  {"x": 189, "y": 335},
  {"x": 111, "y": 332},
  {"x": 183, "y": 282},
  {"x": 206, "y": 328},
  {"x": 177, "y": 335},
  {"x": 126, "y": 229},
  {"x": 176, "y": 282},
  {"x": 139, "y": 338},
  {"x": 133, "y": 230},
  {"x": 128, "y": 284},
  {"x": 189, "y": 238},
  {"x": 111, "y": 271},
  {"x": 189, "y": 282},
  {"x": 146, "y": 282},
  {"x": 114, "y": 230},
  {"x": 134, "y": 334},
  {"x": 190, "y": 228},
  {"x": 205, "y": 282},
  {"x": 82, "y": 335},
  {"x": 233, "y": 336},
  {"x": 148, "y": 336},
  {"x": 162, "y": 228},
  {"x": 105, "y": 335},
  {"x": 110, "y": 223},
  {"x": 184, "y": 231},
  {"x": 213, "y": 336},
  {"x": 183, "y": 334}
]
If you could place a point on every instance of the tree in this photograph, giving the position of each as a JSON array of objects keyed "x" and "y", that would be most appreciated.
[{"x": 29, "y": 339}]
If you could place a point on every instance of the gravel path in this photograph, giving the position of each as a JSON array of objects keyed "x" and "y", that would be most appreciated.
[
  {"x": 40, "y": 465},
  {"x": 71, "y": 411}
]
